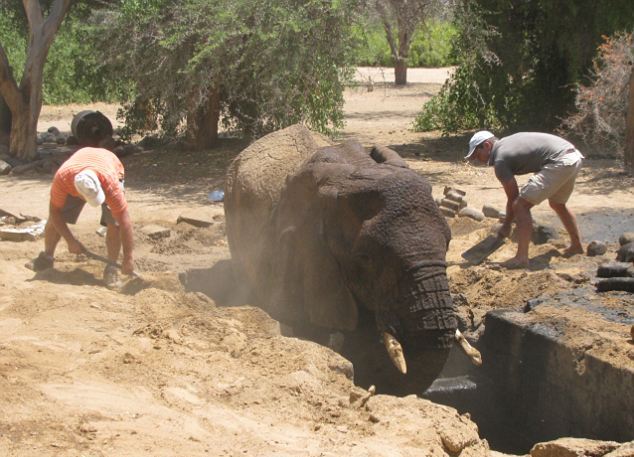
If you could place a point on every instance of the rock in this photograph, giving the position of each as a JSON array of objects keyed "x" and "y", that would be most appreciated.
[
  {"x": 543, "y": 234},
  {"x": 626, "y": 252},
  {"x": 447, "y": 212},
  {"x": 30, "y": 233},
  {"x": 46, "y": 138},
  {"x": 622, "y": 284},
  {"x": 449, "y": 189},
  {"x": 340, "y": 365},
  {"x": 626, "y": 238},
  {"x": 472, "y": 213},
  {"x": 48, "y": 166},
  {"x": 615, "y": 269},
  {"x": 490, "y": 211},
  {"x": 626, "y": 449},
  {"x": 155, "y": 232},
  {"x": 21, "y": 169},
  {"x": 596, "y": 248},
  {"x": 455, "y": 196},
  {"x": 5, "y": 168},
  {"x": 71, "y": 141},
  {"x": 13, "y": 161},
  {"x": 195, "y": 221},
  {"x": 573, "y": 447},
  {"x": 60, "y": 140},
  {"x": 53, "y": 130},
  {"x": 451, "y": 204}
]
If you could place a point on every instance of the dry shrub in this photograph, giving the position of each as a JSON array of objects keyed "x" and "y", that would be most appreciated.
[{"x": 601, "y": 107}]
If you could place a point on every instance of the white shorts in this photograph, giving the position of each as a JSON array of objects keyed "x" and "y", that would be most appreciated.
[{"x": 555, "y": 181}]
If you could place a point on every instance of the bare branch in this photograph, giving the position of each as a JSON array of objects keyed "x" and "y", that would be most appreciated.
[
  {"x": 54, "y": 19},
  {"x": 33, "y": 12}
]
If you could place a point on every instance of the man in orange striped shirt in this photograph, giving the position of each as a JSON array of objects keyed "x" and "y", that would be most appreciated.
[{"x": 92, "y": 175}]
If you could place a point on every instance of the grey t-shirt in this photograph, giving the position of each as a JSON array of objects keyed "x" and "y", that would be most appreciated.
[{"x": 526, "y": 152}]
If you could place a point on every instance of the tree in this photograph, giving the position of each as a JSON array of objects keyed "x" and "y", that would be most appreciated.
[
  {"x": 254, "y": 66},
  {"x": 629, "y": 137},
  {"x": 24, "y": 100},
  {"x": 5, "y": 123},
  {"x": 400, "y": 20},
  {"x": 536, "y": 53}
]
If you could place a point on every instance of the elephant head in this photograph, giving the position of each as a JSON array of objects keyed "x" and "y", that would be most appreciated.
[{"x": 357, "y": 231}]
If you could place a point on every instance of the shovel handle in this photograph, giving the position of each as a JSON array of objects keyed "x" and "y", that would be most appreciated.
[{"x": 107, "y": 261}]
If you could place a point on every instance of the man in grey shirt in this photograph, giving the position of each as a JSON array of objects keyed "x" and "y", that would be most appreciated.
[{"x": 555, "y": 163}]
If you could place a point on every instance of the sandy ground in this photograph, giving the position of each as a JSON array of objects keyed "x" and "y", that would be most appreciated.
[{"x": 154, "y": 370}]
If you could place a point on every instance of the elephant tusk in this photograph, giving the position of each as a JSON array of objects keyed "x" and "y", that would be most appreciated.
[
  {"x": 395, "y": 351},
  {"x": 470, "y": 351}
]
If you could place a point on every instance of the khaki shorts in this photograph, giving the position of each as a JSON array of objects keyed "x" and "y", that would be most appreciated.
[
  {"x": 73, "y": 206},
  {"x": 555, "y": 181}
]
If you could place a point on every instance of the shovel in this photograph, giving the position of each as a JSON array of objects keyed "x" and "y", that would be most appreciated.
[
  {"x": 100, "y": 258},
  {"x": 479, "y": 252}
]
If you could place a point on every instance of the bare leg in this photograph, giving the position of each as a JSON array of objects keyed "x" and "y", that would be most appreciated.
[
  {"x": 51, "y": 238},
  {"x": 113, "y": 242},
  {"x": 524, "y": 222},
  {"x": 570, "y": 224}
]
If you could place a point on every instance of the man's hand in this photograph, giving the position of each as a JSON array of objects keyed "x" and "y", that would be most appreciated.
[
  {"x": 75, "y": 247},
  {"x": 127, "y": 267},
  {"x": 505, "y": 230}
]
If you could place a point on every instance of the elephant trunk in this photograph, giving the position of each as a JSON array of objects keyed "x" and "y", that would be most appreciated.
[{"x": 424, "y": 317}]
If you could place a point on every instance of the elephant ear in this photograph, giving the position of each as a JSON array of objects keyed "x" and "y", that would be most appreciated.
[
  {"x": 348, "y": 212},
  {"x": 309, "y": 283}
]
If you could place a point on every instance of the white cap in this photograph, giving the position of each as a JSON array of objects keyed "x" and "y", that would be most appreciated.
[
  {"x": 88, "y": 186},
  {"x": 476, "y": 139}
]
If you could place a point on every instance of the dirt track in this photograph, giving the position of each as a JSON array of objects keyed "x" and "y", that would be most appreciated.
[{"x": 158, "y": 371}]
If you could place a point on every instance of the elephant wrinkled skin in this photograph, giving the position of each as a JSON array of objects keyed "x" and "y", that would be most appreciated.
[{"x": 348, "y": 241}]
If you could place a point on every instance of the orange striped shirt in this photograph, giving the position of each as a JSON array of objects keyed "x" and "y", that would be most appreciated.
[{"x": 105, "y": 164}]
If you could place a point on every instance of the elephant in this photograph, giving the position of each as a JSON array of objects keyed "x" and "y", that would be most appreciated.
[{"x": 334, "y": 239}]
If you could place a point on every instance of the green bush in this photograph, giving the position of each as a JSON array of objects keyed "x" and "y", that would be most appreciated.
[
  {"x": 72, "y": 72},
  {"x": 371, "y": 48},
  {"x": 520, "y": 62},
  {"x": 272, "y": 63},
  {"x": 431, "y": 46},
  {"x": 13, "y": 42}
]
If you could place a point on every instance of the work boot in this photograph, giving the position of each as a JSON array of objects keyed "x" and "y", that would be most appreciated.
[
  {"x": 111, "y": 276},
  {"x": 42, "y": 262}
]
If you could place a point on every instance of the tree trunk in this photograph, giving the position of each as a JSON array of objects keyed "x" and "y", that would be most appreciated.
[
  {"x": 5, "y": 122},
  {"x": 202, "y": 124},
  {"x": 25, "y": 100},
  {"x": 400, "y": 72},
  {"x": 628, "y": 153},
  {"x": 23, "y": 135}
]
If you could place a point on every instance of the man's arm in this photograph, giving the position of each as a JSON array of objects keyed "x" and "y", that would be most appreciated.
[
  {"x": 57, "y": 219},
  {"x": 512, "y": 192},
  {"x": 127, "y": 241}
]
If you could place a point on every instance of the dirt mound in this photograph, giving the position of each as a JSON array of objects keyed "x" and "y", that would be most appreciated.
[{"x": 89, "y": 370}]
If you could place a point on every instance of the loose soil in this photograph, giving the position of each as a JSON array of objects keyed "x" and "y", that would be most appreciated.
[{"x": 154, "y": 370}]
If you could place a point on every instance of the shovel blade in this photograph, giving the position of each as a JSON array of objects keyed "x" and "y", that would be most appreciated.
[{"x": 479, "y": 252}]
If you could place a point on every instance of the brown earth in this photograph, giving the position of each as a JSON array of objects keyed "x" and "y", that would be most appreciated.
[{"x": 154, "y": 370}]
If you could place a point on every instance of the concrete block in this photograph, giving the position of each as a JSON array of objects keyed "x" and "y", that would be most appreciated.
[{"x": 155, "y": 232}]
